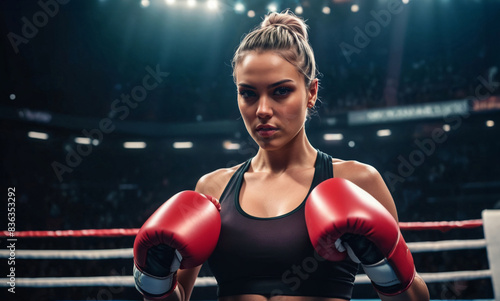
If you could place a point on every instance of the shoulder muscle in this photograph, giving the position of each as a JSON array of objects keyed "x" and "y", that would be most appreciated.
[
  {"x": 369, "y": 179},
  {"x": 213, "y": 183}
]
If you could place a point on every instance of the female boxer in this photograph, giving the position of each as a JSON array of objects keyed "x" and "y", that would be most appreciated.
[{"x": 294, "y": 222}]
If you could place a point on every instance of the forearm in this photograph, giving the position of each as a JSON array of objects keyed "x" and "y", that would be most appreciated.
[
  {"x": 416, "y": 292},
  {"x": 177, "y": 295}
]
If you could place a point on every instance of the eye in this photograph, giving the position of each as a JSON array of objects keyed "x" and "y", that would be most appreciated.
[
  {"x": 246, "y": 93},
  {"x": 282, "y": 91}
]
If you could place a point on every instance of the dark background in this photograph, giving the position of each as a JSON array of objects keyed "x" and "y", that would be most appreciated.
[{"x": 66, "y": 77}]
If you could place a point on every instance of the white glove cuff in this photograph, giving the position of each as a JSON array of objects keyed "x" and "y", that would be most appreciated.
[
  {"x": 155, "y": 285},
  {"x": 381, "y": 273},
  {"x": 152, "y": 285}
]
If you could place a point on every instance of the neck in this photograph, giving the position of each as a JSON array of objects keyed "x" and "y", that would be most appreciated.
[{"x": 297, "y": 154}]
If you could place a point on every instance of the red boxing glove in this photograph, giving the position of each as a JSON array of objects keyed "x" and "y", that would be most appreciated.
[
  {"x": 341, "y": 216},
  {"x": 182, "y": 233}
]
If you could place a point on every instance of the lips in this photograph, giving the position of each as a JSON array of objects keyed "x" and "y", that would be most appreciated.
[{"x": 265, "y": 130}]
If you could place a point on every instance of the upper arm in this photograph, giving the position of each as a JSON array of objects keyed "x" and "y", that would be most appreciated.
[
  {"x": 211, "y": 184},
  {"x": 369, "y": 179}
]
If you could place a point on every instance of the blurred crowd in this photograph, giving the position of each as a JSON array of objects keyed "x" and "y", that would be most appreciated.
[{"x": 120, "y": 189}]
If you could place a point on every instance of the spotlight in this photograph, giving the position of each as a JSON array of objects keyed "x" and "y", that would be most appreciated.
[
  {"x": 191, "y": 3},
  {"x": 239, "y": 7},
  {"x": 299, "y": 10},
  {"x": 145, "y": 3},
  {"x": 134, "y": 145},
  {"x": 170, "y": 2},
  {"x": 230, "y": 145},
  {"x": 183, "y": 144},
  {"x": 333, "y": 137},
  {"x": 273, "y": 7},
  {"x": 83, "y": 140},
  {"x": 38, "y": 135},
  {"x": 490, "y": 123},
  {"x": 212, "y": 4},
  {"x": 326, "y": 10},
  {"x": 384, "y": 133},
  {"x": 355, "y": 8},
  {"x": 251, "y": 14}
]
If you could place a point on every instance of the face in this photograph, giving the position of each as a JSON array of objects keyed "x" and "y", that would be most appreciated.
[{"x": 273, "y": 99}]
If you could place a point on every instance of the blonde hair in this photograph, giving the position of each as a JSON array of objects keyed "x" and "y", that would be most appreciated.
[{"x": 285, "y": 34}]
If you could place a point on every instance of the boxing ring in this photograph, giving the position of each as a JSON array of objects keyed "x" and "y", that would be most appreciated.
[{"x": 490, "y": 223}]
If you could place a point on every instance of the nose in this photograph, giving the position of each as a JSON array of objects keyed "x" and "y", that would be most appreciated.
[{"x": 264, "y": 108}]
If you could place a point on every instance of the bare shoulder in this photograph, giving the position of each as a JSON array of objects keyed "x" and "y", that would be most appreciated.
[
  {"x": 366, "y": 177},
  {"x": 359, "y": 173},
  {"x": 213, "y": 183}
]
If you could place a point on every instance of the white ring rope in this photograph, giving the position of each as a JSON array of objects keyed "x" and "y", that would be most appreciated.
[
  {"x": 446, "y": 245},
  {"x": 415, "y": 247},
  {"x": 71, "y": 254},
  {"x": 210, "y": 281}
]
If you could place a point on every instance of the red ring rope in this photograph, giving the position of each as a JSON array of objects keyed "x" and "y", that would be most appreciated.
[
  {"x": 415, "y": 226},
  {"x": 441, "y": 226}
]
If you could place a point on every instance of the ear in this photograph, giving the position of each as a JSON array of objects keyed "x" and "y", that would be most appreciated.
[{"x": 312, "y": 93}]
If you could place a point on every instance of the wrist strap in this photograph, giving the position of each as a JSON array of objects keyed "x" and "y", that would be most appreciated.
[
  {"x": 153, "y": 285},
  {"x": 381, "y": 273}
]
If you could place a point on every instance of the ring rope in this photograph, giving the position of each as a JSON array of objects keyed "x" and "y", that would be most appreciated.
[
  {"x": 415, "y": 247},
  {"x": 210, "y": 281},
  {"x": 414, "y": 226}
]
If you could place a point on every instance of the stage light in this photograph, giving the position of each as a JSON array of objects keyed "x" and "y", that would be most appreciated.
[
  {"x": 299, "y": 10},
  {"x": 384, "y": 133},
  {"x": 12, "y": 96},
  {"x": 38, "y": 135},
  {"x": 212, "y": 4},
  {"x": 490, "y": 123},
  {"x": 273, "y": 7},
  {"x": 355, "y": 8},
  {"x": 82, "y": 140},
  {"x": 230, "y": 145},
  {"x": 326, "y": 10},
  {"x": 170, "y": 2},
  {"x": 191, "y": 3},
  {"x": 183, "y": 144},
  {"x": 406, "y": 1},
  {"x": 333, "y": 137},
  {"x": 251, "y": 14},
  {"x": 446, "y": 127},
  {"x": 134, "y": 145},
  {"x": 239, "y": 7},
  {"x": 351, "y": 144},
  {"x": 145, "y": 3}
]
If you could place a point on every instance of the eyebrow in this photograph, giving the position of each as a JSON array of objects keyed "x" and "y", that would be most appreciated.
[{"x": 270, "y": 86}]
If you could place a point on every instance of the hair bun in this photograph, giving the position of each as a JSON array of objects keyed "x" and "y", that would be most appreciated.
[{"x": 287, "y": 20}]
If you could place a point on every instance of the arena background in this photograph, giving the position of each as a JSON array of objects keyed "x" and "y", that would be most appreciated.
[{"x": 410, "y": 87}]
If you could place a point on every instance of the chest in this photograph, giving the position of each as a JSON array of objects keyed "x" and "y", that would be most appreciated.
[
  {"x": 263, "y": 245},
  {"x": 263, "y": 195}
]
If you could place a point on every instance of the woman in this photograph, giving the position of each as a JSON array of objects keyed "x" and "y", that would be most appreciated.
[{"x": 264, "y": 252}]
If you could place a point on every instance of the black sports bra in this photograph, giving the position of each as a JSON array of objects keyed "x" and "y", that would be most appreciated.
[{"x": 273, "y": 256}]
